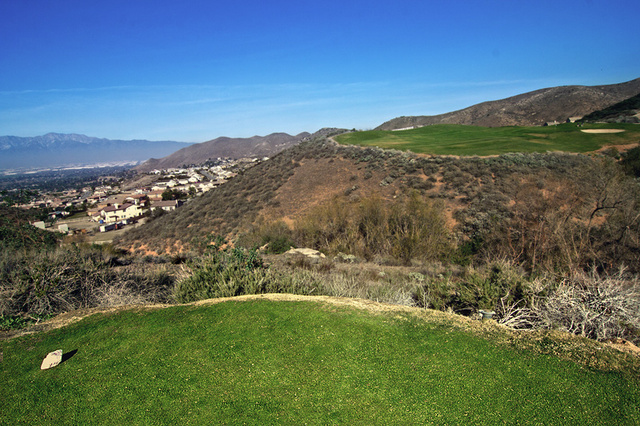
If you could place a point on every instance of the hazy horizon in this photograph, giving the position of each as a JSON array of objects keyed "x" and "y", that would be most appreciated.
[{"x": 198, "y": 70}]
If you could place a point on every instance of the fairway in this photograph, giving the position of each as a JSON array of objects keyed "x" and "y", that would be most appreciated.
[
  {"x": 262, "y": 361},
  {"x": 454, "y": 139}
]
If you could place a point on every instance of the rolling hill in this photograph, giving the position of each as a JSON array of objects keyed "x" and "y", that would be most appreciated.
[
  {"x": 256, "y": 146},
  {"x": 528, "y": 109},
  {"x": 488, "y": 198}
]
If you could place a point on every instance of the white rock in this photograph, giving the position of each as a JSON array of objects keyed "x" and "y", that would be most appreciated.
[
  {"x": 51, "y": 360},
  {"x": 306, "y": 252}
]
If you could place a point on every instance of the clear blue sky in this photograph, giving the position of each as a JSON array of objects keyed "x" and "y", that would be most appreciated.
[{"x": 195, "y": 70}]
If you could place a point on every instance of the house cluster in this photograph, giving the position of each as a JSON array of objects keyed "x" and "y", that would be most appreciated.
[
  {"x": 116, "y": 211},
  {"x": 113, "y": 209},
  {"x": 58, "y": 202},
  {"x": 191, "y": 180},
  {"x": 126, "y": 208},
  {"x": 568, "y": 120}
]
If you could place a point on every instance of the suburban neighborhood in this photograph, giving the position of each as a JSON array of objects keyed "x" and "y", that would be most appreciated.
[{"x": 113, "y": 207}]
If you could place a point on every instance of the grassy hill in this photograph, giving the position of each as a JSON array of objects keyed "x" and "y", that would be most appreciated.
[
  {"x": 454, "y": 139},
  {"x": 270, "y": 361}
]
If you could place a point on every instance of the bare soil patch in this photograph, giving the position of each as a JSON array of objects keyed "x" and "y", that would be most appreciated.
[
  {"x": 624, "y": 346},
  {"x": 318, "y": 182},
  {"x": 620, "y": 148}
]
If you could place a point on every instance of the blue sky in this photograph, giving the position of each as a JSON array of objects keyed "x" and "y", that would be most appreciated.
[{"x": 194, "y": 70}]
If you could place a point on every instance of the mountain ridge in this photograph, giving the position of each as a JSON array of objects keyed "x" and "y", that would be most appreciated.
[
  {"x": 221, "y": 147},
  {"x": 60, "y": 149},
  {"x": 533, "y": 108}
]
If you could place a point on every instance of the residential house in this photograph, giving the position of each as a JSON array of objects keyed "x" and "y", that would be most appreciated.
[
  {"x": 117, "y": 212},
  {"x": 168, "y": 205}
]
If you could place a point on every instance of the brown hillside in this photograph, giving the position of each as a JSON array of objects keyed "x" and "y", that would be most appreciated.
[
  {"x": 499, "y": 199},
  {"x": 529, "y": 109},
  {"x": 257, "y": 146},
  {"x": 223, "y": 147},
  {"x": 317, "y": 181}
]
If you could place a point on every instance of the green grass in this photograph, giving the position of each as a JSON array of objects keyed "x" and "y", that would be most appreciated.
[
  {"x": 453, "y": 139},
  {"x": 267, "y": 362}
]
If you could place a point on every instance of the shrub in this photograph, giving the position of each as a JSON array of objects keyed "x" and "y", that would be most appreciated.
[
  {"x": 561, "y": 222},
  {"x": 496, "y": 283},
  {"x": 499, "y": 286},
  {"x": 275, "y": 235},
  {"x": 17, "y": 233},
  {"x": 592, "y": 305},
  {"x": 222, "y": 273},
  {"x": 411, "y": 227},
  {"x": 38, "y": 284},
  {"x": 631, "y": 161},
  {"x": 434, "y": 294},
  {"x": 279, "y": 244}
]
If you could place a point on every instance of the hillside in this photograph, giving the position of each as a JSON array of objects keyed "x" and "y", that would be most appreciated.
[
  {"x": 257, "y": 146},
  {"x": 16, "y": 231},
  {"x": 498, "y": 201},
  {"x": 528, "y": 109},
  {"x": 60, "y": 150},
  {"x": 627, "y": 111}
]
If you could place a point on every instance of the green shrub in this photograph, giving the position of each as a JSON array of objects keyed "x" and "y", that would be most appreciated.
[
  {"x": 16, "y": 232},
  {"x": 499, "y": 282},
  {"x": 631, "y": 161},
  {"x": 279, "y": 244},
  {"x": 235, "y": 272},
  {"x": 223, "y": 273},
  {"x": 491, "y": 288}
]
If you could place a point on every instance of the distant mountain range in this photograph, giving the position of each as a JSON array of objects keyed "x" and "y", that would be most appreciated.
[
  {"x": 62, "y": 150},
  {"x": 529, "y": 109},
  {"x": 256, "y": 146}
]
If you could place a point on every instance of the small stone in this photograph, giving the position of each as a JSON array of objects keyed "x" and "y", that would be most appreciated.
[
  {"x": 51, "y": 360},
  {"x": 310, "y": 253}
]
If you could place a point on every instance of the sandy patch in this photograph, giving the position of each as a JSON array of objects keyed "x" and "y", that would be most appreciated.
[{"x": 602, "y": 130}]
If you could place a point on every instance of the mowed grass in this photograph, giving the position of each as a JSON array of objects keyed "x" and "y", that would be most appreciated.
[
  {"x": 295, "y": 362},
  {"x": 453, "y": 139}
]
